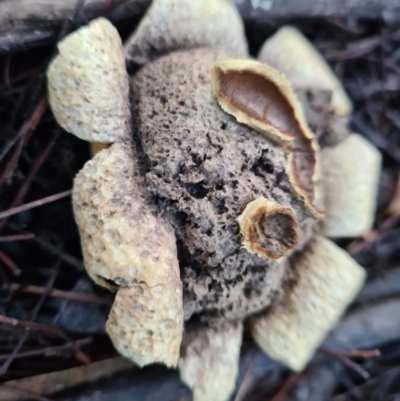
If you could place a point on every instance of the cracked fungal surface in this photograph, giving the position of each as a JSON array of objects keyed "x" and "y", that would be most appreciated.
[
  {"x": 203, "y": 168},
  {"x": 128, "y": 248}
]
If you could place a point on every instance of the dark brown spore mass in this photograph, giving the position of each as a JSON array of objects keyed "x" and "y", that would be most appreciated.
[
  {"x": 203, "y": 168},
  {"x": 273, "y": 234}
]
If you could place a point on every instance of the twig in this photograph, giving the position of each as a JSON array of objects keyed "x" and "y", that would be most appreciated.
[
  {"x": 372, "y": 353},
  {"x": 242, "y": 386},
  {"x": 29, "y": 125},
  {"x": 13, "y": 160},
  {"x": 341, "y": 357},
  {"x": 49, "y": 351},
  {"x": 69, "y": 22},
  {"x": 47, "y": 329},
  {"x": 12, "y": 238},
  {"x": 15, "y": 270},
  {"x": 49, "y": 286},
  {"x": 287, "y": 386},
  {"x": 31, "y": 176},
  {"x": 24, "y": 393},
  {"x": 65, "y": 257},
  {"x": 25, "y": 74},
  {"x": 6, "y": 73},
  {"x": 37, "y": 203},
  {"x": 69, "y": 295},
  {"x": 54, "y": 250}
]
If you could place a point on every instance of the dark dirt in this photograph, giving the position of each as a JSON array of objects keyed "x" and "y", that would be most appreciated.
[{"x": 38, "y": 159}]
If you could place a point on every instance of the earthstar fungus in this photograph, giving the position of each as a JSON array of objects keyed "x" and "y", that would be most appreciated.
[{"x": 207, "y": 205}]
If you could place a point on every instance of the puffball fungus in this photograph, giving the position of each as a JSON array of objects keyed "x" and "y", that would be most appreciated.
[{"x": 210, "y": 203}]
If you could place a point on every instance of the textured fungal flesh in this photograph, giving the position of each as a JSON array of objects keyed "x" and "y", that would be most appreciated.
[
  {"x": 173, "y": 25},
  {"x": 88, "y": 84},
  {"x": 203, "y": 168},
  {"x": 351, "y": 172},
  {"x": 290, "y": 52},
  {"x": 328, "y": 279},
  {"x": 257, "y": 95},
  {"x": 127, "y": 247},
  {"x": 210, "y": 360},
  {"x": 269, "y": 229}
]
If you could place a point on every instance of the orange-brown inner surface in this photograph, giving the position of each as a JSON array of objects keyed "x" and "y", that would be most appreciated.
[
  {"x": 262, "y": 100},
  {"x": 273, "y": 234}
]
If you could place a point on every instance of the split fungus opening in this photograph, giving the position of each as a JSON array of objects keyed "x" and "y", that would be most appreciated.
[
  {"x": 259, "y": 99},
  {"x": 269, "y": 230},
  {"x": 258, "y": 96},
  {"x": 107, "y": 283}
]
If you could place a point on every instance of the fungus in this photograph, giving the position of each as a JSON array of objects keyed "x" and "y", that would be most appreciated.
[
  {"x": 171, "y": 25},
  {"x": 351, "y": 173},
  {"x": 327, "y": 282},
  {"x": 269, "y": 229},
  {"x": 190, "y": 184},
  {"x": 294, "y": 56},
  {"x": 210, "y": 360},
  {"x": 128, "y": 248},
  {"x": 88, "y": 85},
  {"x": 203, "y": 169},
  {"x": 259, "y": 96}
]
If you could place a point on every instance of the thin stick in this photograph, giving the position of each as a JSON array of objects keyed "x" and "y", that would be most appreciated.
[
  {"x": 24, "y": 393},
  {"x": 49, "y": 286},
  {"x": 65, "y": 257},
  {"x": 37, "y": 203},
  {"x": 348, "y": 362},
  {"x": 47, "y": 329},
  {"x": 29, "y": 125},
  {"x": 6, "y": 74},
  {"x": 12, "y": 238},
  {"x": 287, "y": 386},
  {"x": 372, "y": 353},
  {"x": 246, "y": 378},
  {"x": 15, "y": 270},
  {"x": 31, "y": 176},
  {"x": 69, "y": 295},
  {"x": 48, "y": 351}
]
